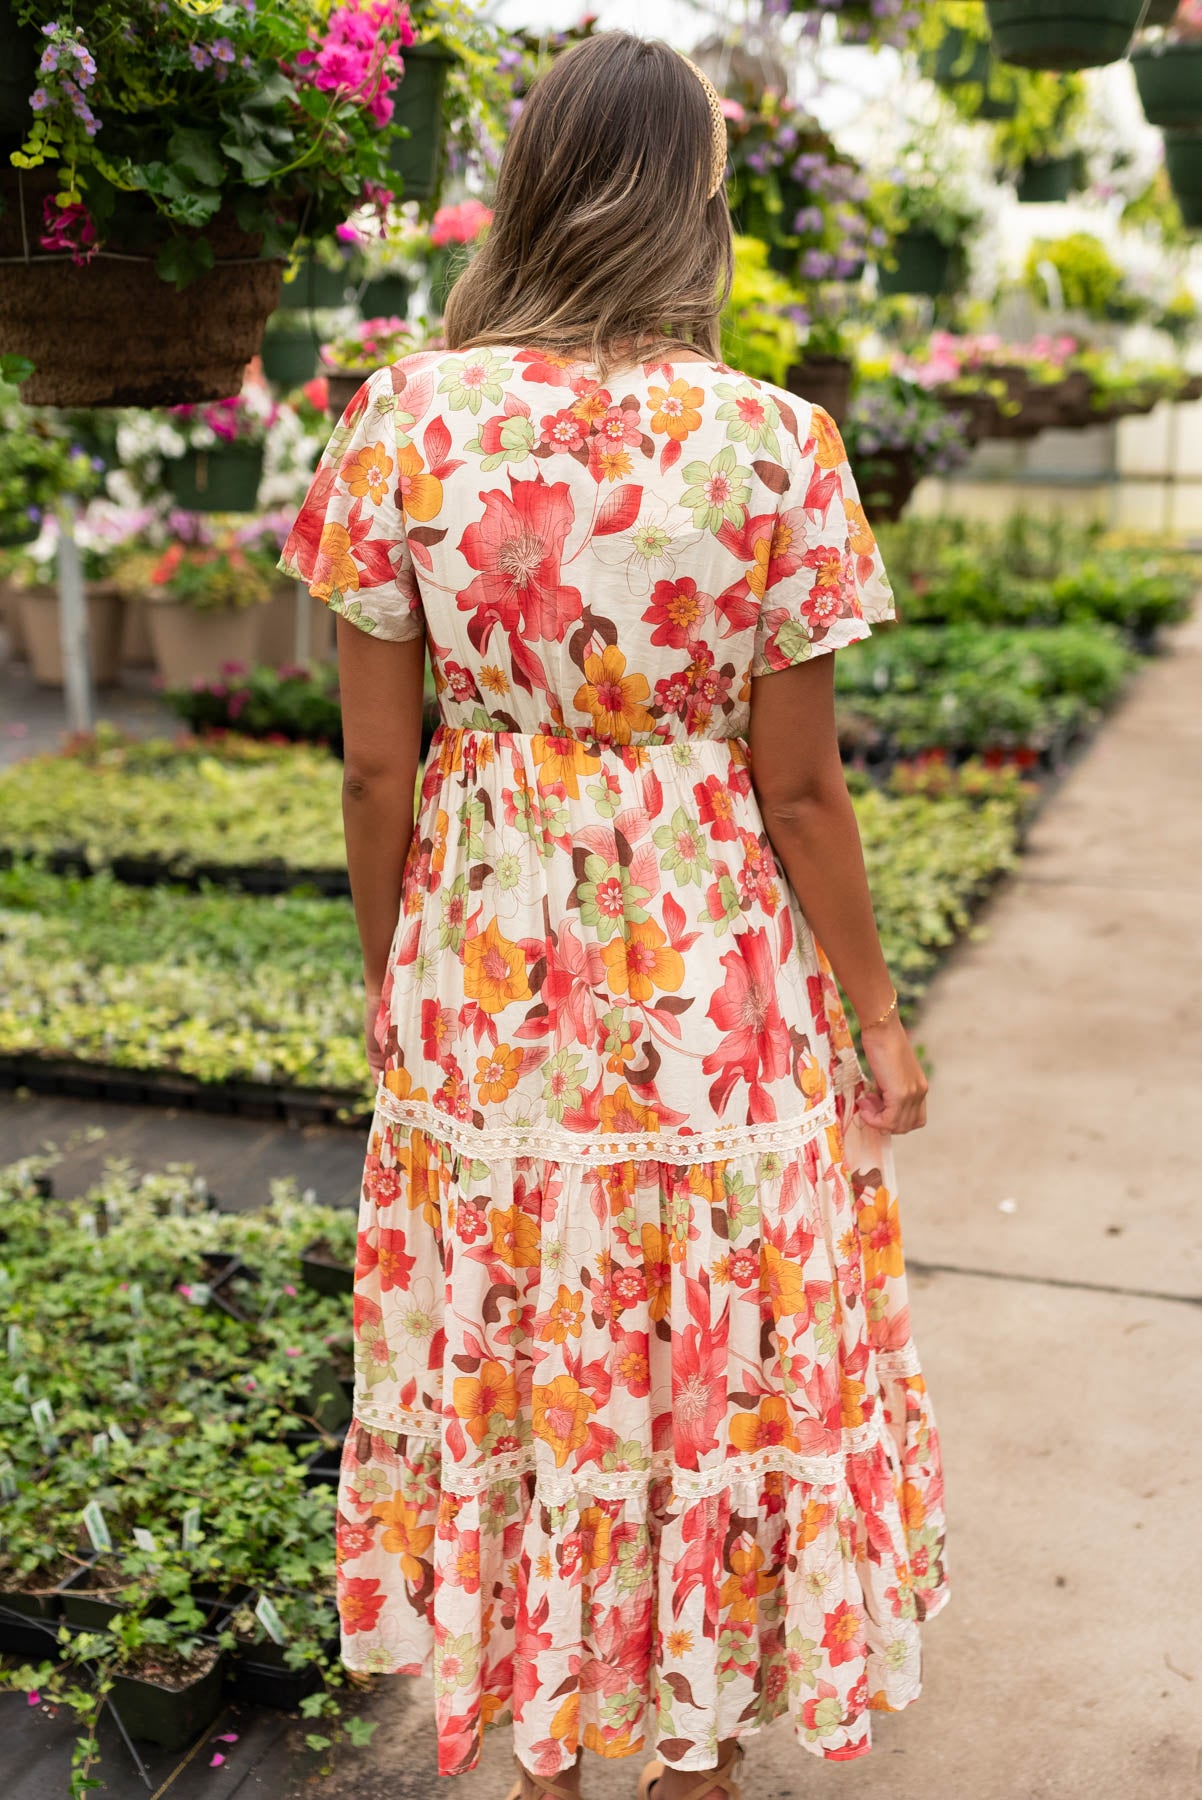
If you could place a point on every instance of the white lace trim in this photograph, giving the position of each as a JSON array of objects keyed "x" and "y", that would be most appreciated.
[
  {"x": 897, "y": 1364},
  {"x": 548, "y": 1145},
  {"x": 557, "y": 1487}
]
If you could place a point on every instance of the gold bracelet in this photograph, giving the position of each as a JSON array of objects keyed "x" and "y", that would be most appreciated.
[{"x": 867, "y": 1024}]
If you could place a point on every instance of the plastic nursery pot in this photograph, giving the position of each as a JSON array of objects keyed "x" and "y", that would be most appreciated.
[
  {"x": 923, "y": 265},
  {"x": 417, "y": 159},
  {"x": 326, "y": 1399},
  {"x": 89, "y": 1595},
  {"x": 824, "y": 381},
  {"x": 169, "y": 1709},
  {"x": 323, "y": 1273},
  {"x": 1183, "y": 160},
  {"x": 259, "y": 1676},
  {"x": 1062, "y": 34},
  {"x": 980, "y": 412},
  {"x": 385, "y": 297},
  {"x": 191, "y": 645},
  {"x": 219, "y": 480},
  {"x": 1051, "y": 179},
  {"x": 1169, "y": 79},
  {"x": 43, "y": 640},
  {"x": 289, "y": 356}
]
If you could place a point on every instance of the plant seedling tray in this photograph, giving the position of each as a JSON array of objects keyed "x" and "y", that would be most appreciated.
[
  {"x": 324, "y": 1276},
  {"x": 78, "y": 1080},
  {"x": 169, "y": 1716},
  {"x": 259, "y": 1676}
]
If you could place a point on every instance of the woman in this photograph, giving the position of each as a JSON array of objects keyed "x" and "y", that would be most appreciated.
[{"x": 641, "y": 1452}]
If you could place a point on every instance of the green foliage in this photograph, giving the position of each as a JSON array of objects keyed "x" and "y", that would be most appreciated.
[
  {"x": 214, "y": 577},
  {"x": 758, "y": 334},
  {"x": 1090, "y": 279},
  {"x": 295, "y": 703},
  {"x": 40, "y": 461}
]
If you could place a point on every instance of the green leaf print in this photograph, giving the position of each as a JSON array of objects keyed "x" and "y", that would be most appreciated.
[
  {"x": 351, "y": 610},
  {"x": 684, "y": 847},
  {"x": 515, "y": 440},
  {"x": 471, "y": 380},
  {"x": 717, "y": 491},
  {"x": 608, "y": 898},
  {"x": 751, "y": 418},
  {"x": 794, "y": 641}
]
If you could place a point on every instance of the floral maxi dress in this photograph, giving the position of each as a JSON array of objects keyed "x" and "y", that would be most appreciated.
[{"x": 641, "y": 1452}]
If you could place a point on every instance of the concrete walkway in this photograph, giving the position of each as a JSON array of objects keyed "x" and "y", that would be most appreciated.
[{"x": 1061, "y": 1333}]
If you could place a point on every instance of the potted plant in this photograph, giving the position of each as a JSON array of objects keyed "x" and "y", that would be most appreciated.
[
  {"x": 289, "y": 353},
  {"x": 1084, "y": 277},
  {"x": 202, "y": 594},
  {"x": 825, "y": 369},
  {"x": 1183, "y": 160},
  {"x": 930, "y": 216},
  {"x": 328, "y": 1261},
  {"x": 40, "y": 461},
  {"x": 194, "y": 152},
  {"x": 280, "y": 1673},
  {"x": 164, "y": 1684},
  {"x": 221, "y": 464},
  {"x": 1062, "y": 34},
  {"x": 415, "y": 157},
  {"x": 1037, "y": 145},
  {"x": 1168, "y": 69},
  {"x": 358, "y": 352},
  {"x": 102, "y": 533},
  {"x": 895, "y": 434}
]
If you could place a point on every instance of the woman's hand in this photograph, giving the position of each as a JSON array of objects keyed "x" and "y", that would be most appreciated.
[
  {"x": 375, "y": 1056},
  {"x": 899, "y": 1100}
]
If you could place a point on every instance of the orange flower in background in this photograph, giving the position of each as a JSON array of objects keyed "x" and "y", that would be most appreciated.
[
  {"x": 565, "y": 1317},
  {"x": 642, "y": 961},
  {"x": 744, "y": 1586},
  {"x": 516, "y": 1239},
  {"x": 419, "y": 493},
  {"x": 367, "y": 472},
  {"x": 561, "y": 1411},
  {"x": 675, "y": 409},
  {"x": 880, "y": 1232},
  {"x": 476, "y": 1397},
  {"x": 767, "y": 1429},
  {"x": 562, "y": 761},
  {"x": 614, "y": 698},
  {"x": 494, "y": 970},
  {"x": 402, "y": 1535},
  {"x": 497, "y": 1075},
  {"x": 335, "y": 567}
]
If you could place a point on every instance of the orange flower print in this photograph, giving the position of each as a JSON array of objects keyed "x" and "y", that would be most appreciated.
[
  {"x": 360, "y": 1602},
  {"x": 744, "y": 1587},
  {"x": 516, "y": 1240},
  {"x": 493, "y": 679},
  {"x": 562, "y": 761},
  {"x": 844, "y": 1638},
  {"x": 813, "y": 1520},
  {"x": 476, "y": 1397},
  {"x": 335, "y": 570},
  {"x": 768, "y": 1429},
  {"x": 782, "y": 1281},
  {"x": 366, "y": 472},
  {"x": 880, "y": 1231},
  {"x": 657, "y": 1269},
  {"x": 624, "y": 1116},
  {"x": 595, "y": 1528},
  {"x": 851, "y": 1402},
  {"x": 642, "y": 961},
  {"x": 565, "y": 1317},
  {"x": 676, "y": 410},
  {"x": 829, "y": 451},
  {"x": 497, "y": 1075},
  {"x": 860, "y": 537},
  {"x": 402, "y": 1535},
  {"x": 560, "y": 1418},
  {"x": 494, "y": 970},
  {"x": 614, "y": 698},
  {"x": 420, "y": 494}
]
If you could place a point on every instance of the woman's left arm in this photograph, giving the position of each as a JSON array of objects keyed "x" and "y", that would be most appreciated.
[{"x": 380, "y": 683}]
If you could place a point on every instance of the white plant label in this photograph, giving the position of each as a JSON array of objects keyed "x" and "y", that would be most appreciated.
[
  {"x": 144, "y": 1540},
  {"x": 87, "y": 1221},
  {"x": 100, "y": 1443},
  {"x": 8, "y": 1481},
  {"x": 190, "y": 1528},
  {"x": 21, "y": 1385},
  {"x": 96, "y": 1526},
  {"x": 198, "y": 1293},
  {"x": 133, "y": 1355},
  {"x": 16, "y": 1345},
  {"x": 116, "y": 1433},
  {"x": 270, "y": 1620},
  {"x": 42, "y": 1414},
  {"x": 137, "y": 1300}
]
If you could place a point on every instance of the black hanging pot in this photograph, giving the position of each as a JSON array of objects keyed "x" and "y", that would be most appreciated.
[
  {"x": 1183, "y": 160},
  {"x": 1169, "y": 79},
  {"x": 1062, "y": 34},
  {"x": 417, "y": 159},
  {"x": 224, "y": 479},
  {"x": 1048, "y": 179},
  {"x": 923, "y": 265},
  {"x": 289, "y": 356},
  {"x": 385, "y": 297}
]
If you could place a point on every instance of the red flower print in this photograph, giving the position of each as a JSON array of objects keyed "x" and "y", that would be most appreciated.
[
  {"x": 353, "y": 1539},
  {"x": 470, "y": 1222},
  {"x": 631, "y": 1364},
  {"x": 677, "y": 611},
  {"x": 698, "y": 1393},
  {"x": 562, "y": 430},
  {"x": 844, "y": 1637},
  {"x": 517, "y": 546},
  {"x": 746, "y": 1009},
  {"x": 544, "y": 365},
  {"x": 438, "y": 1030},
  {"x": 715, "y": 808},
  {"x": 619, "y": 428},
  {"x": 394, "y": 1264},
  {"x": 360, "y": 1602}
]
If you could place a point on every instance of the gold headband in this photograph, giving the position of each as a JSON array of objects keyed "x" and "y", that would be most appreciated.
[{"x": 717, "y": 129}]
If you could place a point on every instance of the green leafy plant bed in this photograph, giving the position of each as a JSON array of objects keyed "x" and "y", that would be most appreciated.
[{"x": 167, "y": 1437}]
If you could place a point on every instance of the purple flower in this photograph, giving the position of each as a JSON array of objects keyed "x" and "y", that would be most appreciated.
[{"x": 809, "y": 219}]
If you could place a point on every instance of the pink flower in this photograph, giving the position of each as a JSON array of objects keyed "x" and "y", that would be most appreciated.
[
  {"x": 68, "y": 228},
  {"x": 756, "y": 1042},
  {"x": 33, "y": 1697},
  {"x": 460, "y": 224}
]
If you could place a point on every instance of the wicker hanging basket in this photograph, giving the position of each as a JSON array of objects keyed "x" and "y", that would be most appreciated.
[{"x": 111, "y": 332}]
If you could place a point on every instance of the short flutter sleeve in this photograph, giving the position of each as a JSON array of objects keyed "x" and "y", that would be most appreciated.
[
  {"x": 825, "y": 583},
  {"x": 348, "y": 543}
]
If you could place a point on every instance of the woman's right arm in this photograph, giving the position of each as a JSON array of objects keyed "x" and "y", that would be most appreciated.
[{"x": 798, "y": 778}]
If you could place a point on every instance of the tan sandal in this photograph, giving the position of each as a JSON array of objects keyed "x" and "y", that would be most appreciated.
[
  {"x": 541, "y": 1785},
  {"x": 707, "y": 1779}
]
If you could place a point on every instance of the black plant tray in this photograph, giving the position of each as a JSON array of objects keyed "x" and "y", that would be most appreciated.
[
  {"x": 171, "y": 1717},
  {"x": 29, "y": 1625},
  {"x": 158, "y": 871},
  {"x": 78, "y": 1080},
  {"x": 326, "y": 1277},
  {"x": 258, "y": 1676}
]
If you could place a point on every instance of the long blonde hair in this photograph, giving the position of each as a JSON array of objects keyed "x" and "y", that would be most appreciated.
[{"x": 603, "y": 234}]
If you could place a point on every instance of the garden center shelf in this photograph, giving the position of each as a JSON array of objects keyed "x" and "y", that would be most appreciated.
[{"x": 78, "y": 1080}]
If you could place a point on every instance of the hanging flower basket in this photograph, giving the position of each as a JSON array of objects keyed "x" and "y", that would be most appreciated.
[
  {"x": 220, "y": 480},
  {"x": 924, "y": 265},
  {"x": 1183, "y": 159},
  {"x": 886, "y": 480},
  {"x": 824, "y": 381},
  {"x": 964, "y": 61},
  {"x": 1048, "y": 180},
  {"x": 341, "y": 387},
  {"x": 1169, "y": 79},
  {"x": 1062, "y": 34},
  {"x": 385, "y": 295},
  {"x": 315, "y": 287},
  {"x": 111, "y": 332},
  {"x": 417, "y": 159},
  {"x": 289, "y": 356}
]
